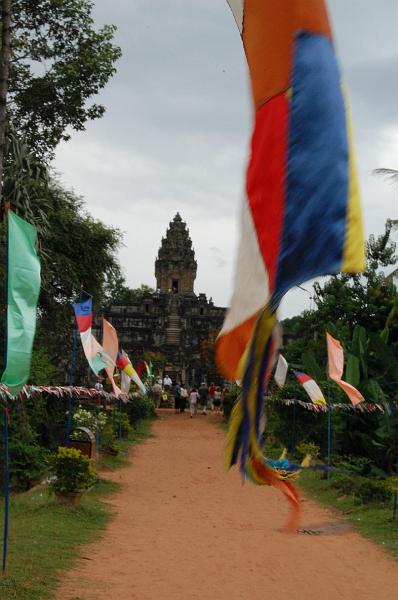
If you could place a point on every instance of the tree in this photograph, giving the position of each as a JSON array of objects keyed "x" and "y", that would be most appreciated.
[
  {"x": 359, "y": 310},
  {"x": 122, "y": 294},
  {"x": 26, "y": 183},
  {"x": 75, "y": 250},
  {"x": 361, "y": 299},
  {"x": 59, "y": 62},
  {"x": 5, "y": 60}
]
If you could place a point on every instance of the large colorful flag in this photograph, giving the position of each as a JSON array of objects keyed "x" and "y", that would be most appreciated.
[
  {"x": 300, "y": 213},
  {"x": 125, "y": 382},
  {"x": 110, "y": 344},
  {"x": 23, "y": 288},
  {"x": 141, "y": 365},
  {"x": 95, "y": 354},
  {"x": 281, "y": 371},
  {"x": 311, "y": 387},
  {"x": 124, "y": 364},
  {"x": 336, "y": 368}
]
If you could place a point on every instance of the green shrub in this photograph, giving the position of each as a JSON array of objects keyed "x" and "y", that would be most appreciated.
[
  {"x": 26, "y": 461},
  {"x": 307, "y": 448},
  {"x": 121, "y": 424},
  {"x": 92, "y": 420},
  {"x": 107, "y": 438},
  {"x": 73, "y": 471},
  {"x": 365, "y": 489},
  {"x": 140, "y": 407},
  {"x": 358, "y": 465},
  {"x": 26, "y": 457},
  {"x": 392, "y": 483},
  {"x": 344, "y": 484}
]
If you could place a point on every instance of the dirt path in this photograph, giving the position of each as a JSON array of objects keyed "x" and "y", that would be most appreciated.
[{"x": 184, "y": 530}]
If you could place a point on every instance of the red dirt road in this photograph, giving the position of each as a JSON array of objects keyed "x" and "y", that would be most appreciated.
[{"x": 184, "y": 530}]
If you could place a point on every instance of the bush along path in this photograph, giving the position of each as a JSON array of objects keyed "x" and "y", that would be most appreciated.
[
  {"x": 46, "y": 536},
  {"x": 363, "y": 503},
  {"x": 182, "y": 529}
]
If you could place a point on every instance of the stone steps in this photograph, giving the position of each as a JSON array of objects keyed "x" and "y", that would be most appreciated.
[{"x": 173, "y": 331}]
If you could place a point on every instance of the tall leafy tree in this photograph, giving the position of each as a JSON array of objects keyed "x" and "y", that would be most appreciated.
[
  {"x": 360, "y": 310},
  {"x": 59, "y": 62}
]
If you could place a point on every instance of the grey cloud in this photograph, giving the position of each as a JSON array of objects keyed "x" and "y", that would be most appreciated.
[{"x": 178, "y": 120}]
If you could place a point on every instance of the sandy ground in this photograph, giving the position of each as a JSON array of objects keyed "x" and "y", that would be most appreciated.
[{"x": 184, "y": 530}]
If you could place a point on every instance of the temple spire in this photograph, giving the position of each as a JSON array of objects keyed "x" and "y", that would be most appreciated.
[{"x": 175, "y": 266}]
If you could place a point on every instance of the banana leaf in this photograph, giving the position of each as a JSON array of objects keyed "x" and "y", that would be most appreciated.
[
  {"x": 311, "y": 366},
  {"x": 352, "y": 373}
]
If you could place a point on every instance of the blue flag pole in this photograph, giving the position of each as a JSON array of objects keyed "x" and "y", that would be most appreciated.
[
  {"x": 72, "y": 376},
  {"x": 120, "y": 419},
  {"x": 293, "y": 440},
  {"x": 71, "y": 383},
  {"x": 329, "y": 458},
  {"x": 6, "y": 473},
  {"x": 395, "y": 507},
  {"x": 329, "y": 439},
  {"x": 6, "y": 478}
]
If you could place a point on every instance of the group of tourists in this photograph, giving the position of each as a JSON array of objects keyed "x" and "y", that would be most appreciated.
[
  {"x": 205, "y": 397},
  {"x": 197, "y": 399}
]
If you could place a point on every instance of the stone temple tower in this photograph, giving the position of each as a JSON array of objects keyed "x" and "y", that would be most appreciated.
[
  {"x": 175, "y": 266},
  {"x": 174, "y": 322}
]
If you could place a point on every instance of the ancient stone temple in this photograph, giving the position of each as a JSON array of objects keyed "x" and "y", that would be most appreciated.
[{"x": 173, "y": 321}]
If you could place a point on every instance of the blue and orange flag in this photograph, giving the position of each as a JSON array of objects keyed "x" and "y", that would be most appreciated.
[
  {"x": 97, "y": 358},
  {"x": 301, "y": 210}
]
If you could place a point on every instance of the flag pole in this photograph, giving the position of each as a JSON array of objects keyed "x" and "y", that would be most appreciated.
[
  {"x": 293, "y": 440},
  {"x": 6, "y": 488},
  {"x": 329, "y": 459},
  {"x": 71, "y": 383},
  {"x": 395, "y": 508},
  {"x": 72, "y": 376},
  {"x": 6, "y": 470},
  {"x": 120, "y": 419}
]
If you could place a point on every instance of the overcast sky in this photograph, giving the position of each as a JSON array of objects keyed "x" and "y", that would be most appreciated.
[{"x": 175, "y": 133}]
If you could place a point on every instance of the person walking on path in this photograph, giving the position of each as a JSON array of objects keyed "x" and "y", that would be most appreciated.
[
  {"x": 177, "y": 397},
  {"x": 217, "y": 399},
  {"x": 183, "y": 397},
  {"x": 212, "y": 389},
  {"x": 193, "y": 400},
  {"x": 157, "y": 394},
  {"x": 203, "y": 397}
]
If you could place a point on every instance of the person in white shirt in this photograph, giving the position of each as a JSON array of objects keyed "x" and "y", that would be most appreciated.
[
  {"x": 193, "y": 400},
  {"x": 167, "y": 383},
  {"x": 183, "y": 397}
]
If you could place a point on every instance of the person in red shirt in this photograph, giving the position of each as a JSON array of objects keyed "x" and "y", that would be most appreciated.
[{"x": 212, "y": 390}]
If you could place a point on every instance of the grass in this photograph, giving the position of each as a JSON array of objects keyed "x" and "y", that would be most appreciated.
[
  {"x": 373, "y": 521},
  {"x": 46, "y": 537}
]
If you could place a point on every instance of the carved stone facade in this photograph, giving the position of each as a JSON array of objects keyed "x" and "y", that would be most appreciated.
[{"x": 174, "y": 320}]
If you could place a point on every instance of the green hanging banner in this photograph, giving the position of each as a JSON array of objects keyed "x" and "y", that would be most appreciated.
[{"x": 23, "y": 277}]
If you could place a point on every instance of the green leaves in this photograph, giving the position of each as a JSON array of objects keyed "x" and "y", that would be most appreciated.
[
  {"x": 352, "y": 374},
  {"x": 311, "y": 366},
  {"x": 59, "y": 63}
]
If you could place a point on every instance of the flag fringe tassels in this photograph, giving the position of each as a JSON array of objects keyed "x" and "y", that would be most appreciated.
[{"x": 244, "y": 430}]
